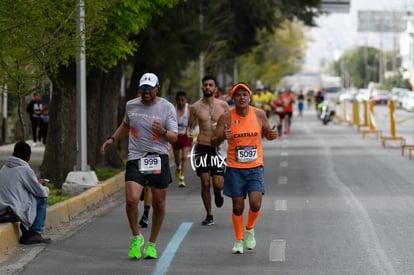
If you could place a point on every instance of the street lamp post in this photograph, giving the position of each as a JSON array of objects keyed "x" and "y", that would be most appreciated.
[
  {"x": 81, "y": 164},
  {"x": 82, "y": 178}
]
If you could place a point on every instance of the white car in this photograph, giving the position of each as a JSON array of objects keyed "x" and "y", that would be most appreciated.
[
  {"x": 348, "y": 95},
  {"x": 401, "y": 98},
  {"x": 408, "y": 102},
  {"x": 398, "y": 95},
  {"x": 363, "y": 94},
  {"x": 332, "y": 93}
]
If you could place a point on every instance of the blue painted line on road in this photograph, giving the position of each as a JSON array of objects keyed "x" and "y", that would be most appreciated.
[{"x": 168, "y": 255}]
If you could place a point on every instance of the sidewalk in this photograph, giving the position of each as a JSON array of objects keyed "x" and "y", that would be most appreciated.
[
  {"x": 36, "y": 158},
  {"x": 60, "y": 212}
]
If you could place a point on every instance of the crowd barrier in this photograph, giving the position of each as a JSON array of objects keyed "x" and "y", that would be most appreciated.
[
  {"x": 393, "y": 136},
  {"x": 366, "y": 120},
  {"x": 371, "y": 121}
]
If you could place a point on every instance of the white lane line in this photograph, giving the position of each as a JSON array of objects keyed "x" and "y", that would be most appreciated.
[
  {"x": 283, "y": 164},
  {"x": 280, "y": 205},
  {"x": 284, "y": 154},
  {"x": 277, "y": 251},
  {"x": 282, "y": 180},
  {"x": 164, "y": 262}
]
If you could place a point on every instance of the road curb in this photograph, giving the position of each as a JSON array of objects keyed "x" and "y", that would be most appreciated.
[{"x": 61, "y": 212}]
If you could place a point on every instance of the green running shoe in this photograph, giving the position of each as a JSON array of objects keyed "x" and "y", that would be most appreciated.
[
  {"x": 250, "y": 239},
  {"x": 135, "y": 248},
  {"x": 237, "y": 247},
  {"x": 178, "y": 173},
  {"x": 150, "y": 251}
]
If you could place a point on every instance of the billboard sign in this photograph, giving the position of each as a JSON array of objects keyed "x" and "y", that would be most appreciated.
[
  {"x": 336, "y": 6},
  {"x": 381, "y": 21}
]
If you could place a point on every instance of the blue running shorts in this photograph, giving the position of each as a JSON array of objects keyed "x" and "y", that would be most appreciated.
[{"x": 238, "y": 182}]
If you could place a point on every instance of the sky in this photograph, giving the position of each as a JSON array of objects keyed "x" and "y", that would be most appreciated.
[{"x": 338, "y": 31}]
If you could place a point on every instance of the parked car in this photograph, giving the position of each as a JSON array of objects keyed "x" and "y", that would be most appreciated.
[
  {"x": 332, "y": 93},
  {"x": 348, "y": 95},
  {"x": 363, "y": 94},
  {"x": 398, "y": 94},
  {"x": 380, "y": 96},
  {"x": 408, "y": 102}
]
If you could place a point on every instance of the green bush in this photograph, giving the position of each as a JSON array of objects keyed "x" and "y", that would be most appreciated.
[
  {"x": 396, "y": 81},
  {"x": 55, "y": 195},
  {"x": 104, "y": 173}
]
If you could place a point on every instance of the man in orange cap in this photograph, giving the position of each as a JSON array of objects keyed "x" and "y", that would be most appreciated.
[{"x": 243, "y": 128}]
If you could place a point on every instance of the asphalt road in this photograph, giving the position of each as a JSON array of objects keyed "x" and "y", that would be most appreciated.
[{"x": 334, "y": 204}]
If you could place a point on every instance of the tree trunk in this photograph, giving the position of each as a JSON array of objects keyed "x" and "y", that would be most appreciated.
[
  {"x": 60, "y": 154},
  {"x": 103, "y": 94},
  {"x": 130, "y": 93},
  {"x": 20, "y": 132},
  {"x": 103, "y": 107}
]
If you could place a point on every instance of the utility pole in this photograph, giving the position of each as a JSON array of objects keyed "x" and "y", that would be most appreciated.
[
  {"x": 366, "y": 63},
  {"x": 81, "y": 164},
  {"x": 381, "y": 59},
  {"x": 343, "y": 74},
  {"x": 82, "y": 178},
  {"x": 394, "y": 44}
]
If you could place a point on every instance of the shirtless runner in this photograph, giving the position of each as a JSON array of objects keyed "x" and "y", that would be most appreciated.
[{"x": 208, "y": 164}]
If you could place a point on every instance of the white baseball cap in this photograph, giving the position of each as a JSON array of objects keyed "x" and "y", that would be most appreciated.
[{"x": 149, "y": 79}]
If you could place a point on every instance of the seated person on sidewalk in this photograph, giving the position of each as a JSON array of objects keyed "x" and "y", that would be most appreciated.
[{"x": 21, "y": 191}]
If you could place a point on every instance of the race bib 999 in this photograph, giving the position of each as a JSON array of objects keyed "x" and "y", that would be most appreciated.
[{"x": 150, "y": 164}]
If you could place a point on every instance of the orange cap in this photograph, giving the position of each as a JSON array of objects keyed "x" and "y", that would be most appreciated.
[{"x": 240, "y": 86}]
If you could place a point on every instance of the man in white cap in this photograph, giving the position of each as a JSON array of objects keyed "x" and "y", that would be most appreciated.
[{"x": 151, "y": 123}]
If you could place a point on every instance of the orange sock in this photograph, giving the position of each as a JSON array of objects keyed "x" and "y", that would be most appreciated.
[
  {"x": 238, "y": 226},
  {"x": 252, "y": 217}
]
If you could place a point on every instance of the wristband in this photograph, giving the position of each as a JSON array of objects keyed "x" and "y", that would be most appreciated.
[
  {"x": 113, "y": 139},
  {"x": 165, "y": 132}
]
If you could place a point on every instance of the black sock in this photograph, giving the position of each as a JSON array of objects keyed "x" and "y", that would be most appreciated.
[{"x": 146, "y": 210}]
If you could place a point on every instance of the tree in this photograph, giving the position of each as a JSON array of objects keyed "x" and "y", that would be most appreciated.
[
  {"x": 105, "y": 52},
  {"x": 23, "y": 58},
  {"x": 47, "y": 31},
  {"x": 167, "y": 45},
  {"x": 362, "y": 64},
  {"x": 229, "y": 29},
  {"x": 235, "y": 25},
  {"x": 276, "y": 56},
  {"x": 396, "y": 80}
]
